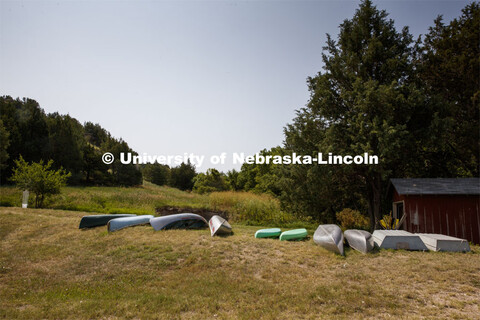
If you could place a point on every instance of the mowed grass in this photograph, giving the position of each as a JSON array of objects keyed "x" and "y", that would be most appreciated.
[
  {"x": 241, "y": 206},
  {"x": 51, "y": 269}
]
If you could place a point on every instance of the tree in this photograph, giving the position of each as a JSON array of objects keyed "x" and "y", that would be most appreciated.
[
  {"x": 181, "y": 177},
  {"x": 231, "y": 178},
  {"x": 450, "y": 71},
  {"x": 38, "y": 178},
  {"x": 156, "y": 173},
  {"x": 122, "y": 174},
  {"x": 66, "y": 144},
  {"x": 365, "y": 101},
  {"x": 4, "y": 143},
  {"x": 211, "y": 181}
]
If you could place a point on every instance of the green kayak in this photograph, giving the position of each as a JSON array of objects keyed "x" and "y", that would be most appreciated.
[
  {"x": 296, "y": 234},
  {"x": 268, "y": 233}
]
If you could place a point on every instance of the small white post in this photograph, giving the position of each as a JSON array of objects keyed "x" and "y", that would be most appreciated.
[{"x": 25, "y": 199}]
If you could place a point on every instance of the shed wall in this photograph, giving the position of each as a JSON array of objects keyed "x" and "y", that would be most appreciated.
[{"x": 452, "y": 215}]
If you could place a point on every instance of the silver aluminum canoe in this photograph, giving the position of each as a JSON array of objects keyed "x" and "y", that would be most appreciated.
[
  {"x": 219, "y": 226},
  {"x": 330, "y": 237},
  {"x": 120, "y": 223},
  {"x": 360, "y": 240},
  {"x": 178, "y": 221}
]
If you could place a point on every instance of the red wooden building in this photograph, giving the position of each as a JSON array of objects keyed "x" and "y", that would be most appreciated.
[{"x": 441, "y": 205}]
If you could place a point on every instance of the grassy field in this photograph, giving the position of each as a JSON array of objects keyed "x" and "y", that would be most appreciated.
[
  {"x": 241, "y": 206},
  {"x": 51, "y": 269}
]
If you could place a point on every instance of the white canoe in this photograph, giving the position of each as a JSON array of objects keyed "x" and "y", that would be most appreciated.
[
  {"x": 359, "y": 240},
  {"x": 219, "y": 226},
  {"x": 120, "y": 223},
  {"x": 330, "y": 237},
  {"x": 398, "y": 239},
  {"x": 441, "y": 242},
  {"x": 178, "y": 221}
]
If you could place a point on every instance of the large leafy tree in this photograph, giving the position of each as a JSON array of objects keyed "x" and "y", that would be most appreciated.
[
  {"x": 365, "y": 101},
  {"x": 450, "y": 71}
]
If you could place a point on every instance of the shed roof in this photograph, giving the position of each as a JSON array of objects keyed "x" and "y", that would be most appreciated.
[{"x": 440, "y": 186}]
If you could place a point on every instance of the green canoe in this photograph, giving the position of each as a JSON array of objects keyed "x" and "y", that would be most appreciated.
[
  {"x": 296, "y": 234},
  {"x": 268, "y": 233}
]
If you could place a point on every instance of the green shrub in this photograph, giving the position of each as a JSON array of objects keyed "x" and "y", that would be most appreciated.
[
  {"x": 353, "y": 219},
  {"x": 39, "y": 178}
]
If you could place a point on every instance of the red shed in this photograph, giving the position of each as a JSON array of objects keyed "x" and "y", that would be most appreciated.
[{"x": 440, "y": 205}]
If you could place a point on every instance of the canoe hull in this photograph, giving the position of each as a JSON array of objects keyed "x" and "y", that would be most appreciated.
[
  {"x": 268, "y": 233},
  {"x": 98, "y": 220},
  {"x": 360, "y": 240},
  {"x": 179, "y": 221},
  {"x": 330, "y": 237},
  {"x": 121, "y": 223},
  {"x": 219, "y": 226},
  {"x": 295, "y": 234}
]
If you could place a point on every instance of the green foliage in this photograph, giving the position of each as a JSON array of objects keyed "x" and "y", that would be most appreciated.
[
  {"x": 39, "y": 178},
  {"x": 352, "y": 219},
  {"x": 181, "y": 177},
  {"x": 122, "y": 174},
  {"x": 4, "y": 143},
  {"x": 37, "y": 136},
  {"x": 210, "y": 181},
  {"x": 365, "y": 101},
  {"x": 156, "y": 173},
  {"x": 261, "y": 178},
  {"x": 450, "y": 72},
  {"x": 231, "y": 178}
]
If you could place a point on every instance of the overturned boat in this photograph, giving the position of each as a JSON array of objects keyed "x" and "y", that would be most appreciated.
[
  {"x": 120, "y": 223},
  {"x": 295, "y": 234},
  {"x": 179, "y": 221},
  {"x": 359, "y": 240},
  {"x": 398, "y": 239},
  {"x": 330, "y": 237},
  {"x": 219, "y": 226},
  {"x": 268, "y": 233},
  {"x": 97, "y": 220},
  {"x": 441, "y": 242}
]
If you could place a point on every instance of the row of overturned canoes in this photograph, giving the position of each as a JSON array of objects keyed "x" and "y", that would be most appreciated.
[
  {"x": 331, "y": 237},
  {"x": 115, "y": 222},
  {"x": 328, "y": 236}
]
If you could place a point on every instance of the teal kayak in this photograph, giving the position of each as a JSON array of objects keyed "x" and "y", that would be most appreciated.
[
  {"x": 268, "y": 233},
  {"x": 296, "y": 234}
]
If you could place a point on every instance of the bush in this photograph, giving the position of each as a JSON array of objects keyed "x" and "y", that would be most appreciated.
[
  {"x": 39, "y": 178},
  {"x": 352, "y": 219},
  {"x": 210, "y": 181}
]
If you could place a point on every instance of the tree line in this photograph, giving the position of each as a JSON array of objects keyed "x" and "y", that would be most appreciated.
[{"x": 412, "y": 102}]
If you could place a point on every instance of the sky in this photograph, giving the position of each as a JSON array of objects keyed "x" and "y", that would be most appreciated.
[{"x": 175, "y": 77}]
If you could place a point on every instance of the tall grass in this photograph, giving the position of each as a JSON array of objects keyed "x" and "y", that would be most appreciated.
[{"x": 240, "y": 206}]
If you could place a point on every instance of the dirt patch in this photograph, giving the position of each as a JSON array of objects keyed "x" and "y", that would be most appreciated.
[{"x": 206, "y": 213}]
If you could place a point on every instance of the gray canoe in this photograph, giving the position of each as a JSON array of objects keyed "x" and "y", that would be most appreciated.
[
  {"x": 219, "y": 226},
  {"x": 179, "y": 221},
  {"x": 359, "y": 240},
  {"x": 330, "y": 237},
  {"x": 97, "y": 220},
  {"x": 120, "y": 223}
]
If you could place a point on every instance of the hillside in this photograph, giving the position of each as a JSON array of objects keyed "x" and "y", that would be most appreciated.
[
  {"x": 149, "y": 198},
  {"x": 51, "y": 269}
]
